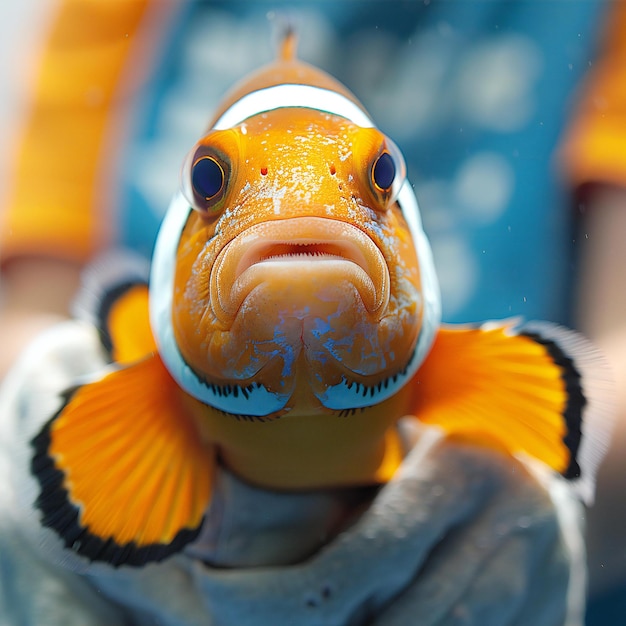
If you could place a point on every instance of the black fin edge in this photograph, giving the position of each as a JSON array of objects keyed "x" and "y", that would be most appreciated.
[
  {"x": 576, "y": 401},
  {"x": 59, "y": 514}
]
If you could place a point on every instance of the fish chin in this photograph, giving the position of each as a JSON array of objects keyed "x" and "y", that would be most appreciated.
[
  {"x": 311, "y": 324},
  {"x": 302, "y": 307}
]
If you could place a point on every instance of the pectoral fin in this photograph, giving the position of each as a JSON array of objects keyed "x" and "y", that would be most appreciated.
[
  {"x": 124, "y": 476},
  {"x": 114, "y": 298},
  {"x": 539, "y": 390},
  {"x": 127, "y": 325}
]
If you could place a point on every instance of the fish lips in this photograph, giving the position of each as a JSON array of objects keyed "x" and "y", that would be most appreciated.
[{"x": 298, "y": 262}]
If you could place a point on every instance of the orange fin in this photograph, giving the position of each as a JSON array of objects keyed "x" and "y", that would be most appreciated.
[
  {"x": 539, "y": 390},
  {"x": 127, "y": 324},
  {"x": 124, "y": 476},
  {"x": 114, "y": 298}
]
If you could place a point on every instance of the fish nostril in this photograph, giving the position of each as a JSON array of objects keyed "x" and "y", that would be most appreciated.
[
  {"x": 264, "y": 171},
  {"x": 332, "y": 169}
]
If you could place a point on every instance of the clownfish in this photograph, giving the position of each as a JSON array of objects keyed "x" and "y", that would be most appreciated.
[{"x": 290, "y": 319}]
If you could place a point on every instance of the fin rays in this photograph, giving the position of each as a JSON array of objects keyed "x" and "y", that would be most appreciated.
[
  {"x": 123, "y": 473},
  {"x": 533, "y": 390}
]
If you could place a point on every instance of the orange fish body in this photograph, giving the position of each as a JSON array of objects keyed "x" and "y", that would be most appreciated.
[
  {"x": 292, "y": 319},
  {"x": 297, "y": 197}
]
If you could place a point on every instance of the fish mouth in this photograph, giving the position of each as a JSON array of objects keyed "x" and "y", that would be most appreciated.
[{"x": 301, "y": 251}]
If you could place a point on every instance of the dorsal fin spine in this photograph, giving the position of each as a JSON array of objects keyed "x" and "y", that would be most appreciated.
[{"x": 288, "y": 42}]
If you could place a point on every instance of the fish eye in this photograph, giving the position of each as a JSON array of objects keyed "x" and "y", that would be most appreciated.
[
  {"x": 207, "y": 172},
  {"x": 383, "y": 172},
  {"x": 207, "y": 177}
]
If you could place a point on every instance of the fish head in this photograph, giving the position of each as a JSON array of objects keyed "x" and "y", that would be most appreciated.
[{"x": 297, "y": 283}]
